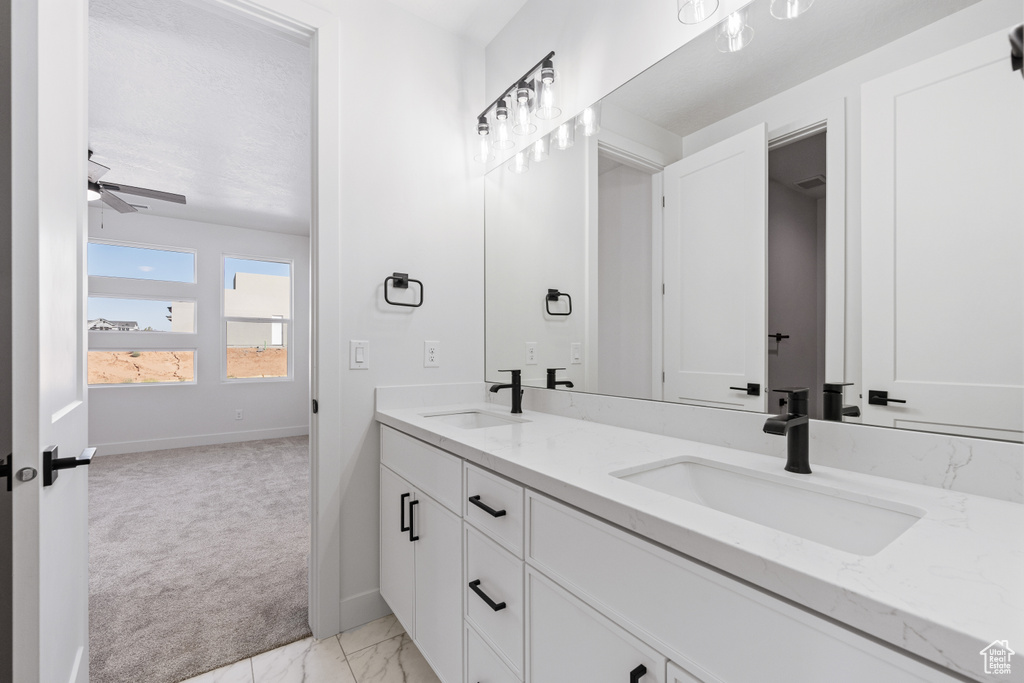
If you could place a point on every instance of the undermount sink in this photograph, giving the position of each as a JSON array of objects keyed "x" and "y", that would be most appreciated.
[
  {"x": 855, "y": 523},
  {"x": 474, "y": 419}
]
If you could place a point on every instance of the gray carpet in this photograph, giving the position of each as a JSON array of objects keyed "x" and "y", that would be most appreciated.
[{"x": 198, "y": 558}]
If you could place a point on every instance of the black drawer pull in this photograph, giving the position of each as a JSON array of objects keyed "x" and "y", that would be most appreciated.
[
  {"x": 496, "y": 606},
  {"x": 404, "y": 526},
  {"x": 475, "y": 500},
  {"x": 636, "y": 674},
  {"x": 412, "y": 520}
]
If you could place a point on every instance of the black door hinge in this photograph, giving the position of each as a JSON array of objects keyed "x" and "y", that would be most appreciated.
[{"x": 316, "y": 407}]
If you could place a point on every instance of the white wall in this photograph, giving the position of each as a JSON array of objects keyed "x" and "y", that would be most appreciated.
[
  {"x": 844, "y": 82},
  {"x": 141, "y": 417},
  {"x": 411, "y": 200}
]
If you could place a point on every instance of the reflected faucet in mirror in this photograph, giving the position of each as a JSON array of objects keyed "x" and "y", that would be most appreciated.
[
  {"x": 517, "y": 389},
  {"x": 832, "y": 402},
  {"x": 552, "y": 384},
  {"x": 794, "y": 426}
]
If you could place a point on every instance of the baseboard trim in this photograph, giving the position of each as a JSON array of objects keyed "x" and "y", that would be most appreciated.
[
  {"x": 362, "y": 608},
  {"x": 120, "y": 447}
]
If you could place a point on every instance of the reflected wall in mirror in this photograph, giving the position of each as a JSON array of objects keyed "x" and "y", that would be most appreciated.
[{"x": 839, "y": 202}]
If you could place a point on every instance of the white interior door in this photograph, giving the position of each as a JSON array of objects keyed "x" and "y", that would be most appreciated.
[
  {"x": 943, "y": 168},
  {"x": 715, "y": 300},
  {"x": 48, "y": 168}
]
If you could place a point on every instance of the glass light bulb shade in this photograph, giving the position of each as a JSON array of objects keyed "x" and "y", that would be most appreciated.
[
  {"x": 520, "y": 163},
  {"x": 501, "y": 134},
  {"x": 523, "y": 124},
  {"x": 484, "y": 152},
  {"x": 589, "y": 120},
  {"x": 563, "y": 137},
  {"x": 790, "y": 9},
  {"x": 546, "y": 108},
  {"x": 539, "y": 150},
  {"x": 733, "y": 33},
  {"x": 696, "y": 11}
]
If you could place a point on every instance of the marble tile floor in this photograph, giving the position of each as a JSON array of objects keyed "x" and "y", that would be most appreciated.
[{"x": 378, "y": 652}]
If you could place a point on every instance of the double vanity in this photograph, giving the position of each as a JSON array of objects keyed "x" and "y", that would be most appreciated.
[{"x": 539, "y": 547}]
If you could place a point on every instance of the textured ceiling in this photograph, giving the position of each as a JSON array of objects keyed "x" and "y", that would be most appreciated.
[
  {"x": 698, "y": 85},
  {"x": 478, "y": 20},
  {"x": 185, "y": 100}
]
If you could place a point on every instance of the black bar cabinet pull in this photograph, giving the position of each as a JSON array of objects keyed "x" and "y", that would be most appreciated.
[
  {"x": 405, "y": 527},
  {"x": 412, "y": 521},
  {"x": 752, "y": 389},
  {"x": 496, "y": 606},
  {"x": 475, "y": 500},
  {"x": 881, "y": 398},
  {"x": 636, "y": 674}
]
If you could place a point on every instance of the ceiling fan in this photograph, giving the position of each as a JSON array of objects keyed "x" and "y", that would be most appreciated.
[{"x": 104, "y": 191}]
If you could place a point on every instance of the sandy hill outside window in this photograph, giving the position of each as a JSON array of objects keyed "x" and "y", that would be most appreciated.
[
  {"x": 141, "y": 302},
  {"x": 257, "y": 317}
]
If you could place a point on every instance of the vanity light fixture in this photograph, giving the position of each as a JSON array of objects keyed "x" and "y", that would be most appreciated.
[
  {"x": 790, "y": 9},
  {"x": 527, "y": 102},
  {"x": 563, "y": 137},
  {"x": 733, "y": 33},
  {"x": 589, "y": 120},
  {"x": 696, "y": 11},
  {"x": 539, "y": 149},
  {"x": 483, "y": 131},
  {"x": 520, "y": 163}
]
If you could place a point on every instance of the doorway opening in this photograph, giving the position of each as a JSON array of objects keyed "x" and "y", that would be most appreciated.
[{"x": 797, "y": 183}]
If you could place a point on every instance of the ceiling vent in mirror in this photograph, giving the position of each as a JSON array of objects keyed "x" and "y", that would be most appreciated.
[{"x": 811, "y": 183}]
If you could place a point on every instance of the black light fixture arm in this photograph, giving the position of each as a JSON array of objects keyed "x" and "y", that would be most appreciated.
[{"x": 515, "y": 84}]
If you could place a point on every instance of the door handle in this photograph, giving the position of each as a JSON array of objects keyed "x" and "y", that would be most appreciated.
[
  {"x": 752, "y": 389},
  {"x": 778, "y": 336},
  {"x": 475, "y": 500},
  {"x": 7, "y": 469},
  {"x": 412, "y": 521},
  {"x": 496, "y": 606},
  {"x": 636, "y": 674},
  {"x": 52, "y": 464},
  {"x": 881, "y": 398}
]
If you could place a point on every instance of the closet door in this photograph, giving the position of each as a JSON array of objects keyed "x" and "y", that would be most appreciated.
[
  {"x": 716, "y": 217},
  {"x": 943, "y": 292}
]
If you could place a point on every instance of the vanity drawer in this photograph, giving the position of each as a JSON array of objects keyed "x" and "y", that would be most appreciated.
[
  {"x": 700, "y": 617},
  {"x": 504, "y": 499},
  {"x": 482, "y": 665},
  {"x": 501, "y": 581},
  {"x": 431, "y": 470}
]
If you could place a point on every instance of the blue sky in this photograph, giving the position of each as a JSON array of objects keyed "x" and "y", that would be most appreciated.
[{"x": 237, "y": 265}]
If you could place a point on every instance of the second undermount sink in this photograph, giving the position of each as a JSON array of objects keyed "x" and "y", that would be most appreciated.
[
  {"x": 474, "y": 419},
  {"x": 855, "y": 523}
]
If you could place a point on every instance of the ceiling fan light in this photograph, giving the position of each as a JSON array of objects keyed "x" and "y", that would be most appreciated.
[
  {"x": 790, "y": 9},
  {"x": 93, "y": 192}
]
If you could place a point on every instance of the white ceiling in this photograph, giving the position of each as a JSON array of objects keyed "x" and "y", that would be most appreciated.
[
  {"x": 698, "y": 85},
  {"x": 478, "y": 20},
  {"x": 190, "y": 101}
]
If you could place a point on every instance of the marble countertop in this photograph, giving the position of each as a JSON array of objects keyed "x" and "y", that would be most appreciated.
[{"x": 943, "y": 590}]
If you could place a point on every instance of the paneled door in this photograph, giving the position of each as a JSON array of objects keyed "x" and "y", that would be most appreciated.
[
  {"x": 47, "y": 174},
  {"x": 716, "y": 219},
  {"x": 943, "y": 243}
]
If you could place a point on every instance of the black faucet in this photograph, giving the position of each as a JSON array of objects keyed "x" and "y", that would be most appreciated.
[
  {"x": 551, "y": 379},
  {"x": 516, "y": 387},
  {"x": 832, "y": 403},
  {"x": 794, "y": 426}
]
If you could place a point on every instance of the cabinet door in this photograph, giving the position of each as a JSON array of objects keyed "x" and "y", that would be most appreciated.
[
  {"x": 397, "y": 564},
  {"x": 438, "y": 616},
  {"x": 571, "y": 642}
]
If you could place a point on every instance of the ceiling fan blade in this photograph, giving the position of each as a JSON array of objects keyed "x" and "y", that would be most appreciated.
[
  {"x": 116, "y": 202},
  {"x": 144, "y": 192},
  {"x": 96, "y": 171}
]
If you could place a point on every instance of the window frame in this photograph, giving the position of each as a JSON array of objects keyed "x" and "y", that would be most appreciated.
[{"x": 288, "y": 322}]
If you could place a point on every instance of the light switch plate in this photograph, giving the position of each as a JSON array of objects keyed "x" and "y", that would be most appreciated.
[
  {"x": 531, "y": 353},
  {"x": 358, "y": 354},
  {"x": 431, "y": 354},
  {"x": 576, "y": 353}
]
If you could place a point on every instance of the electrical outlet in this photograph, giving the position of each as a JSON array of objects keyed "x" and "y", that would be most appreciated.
[
  {"x": 576, "y": 353},
  {"x": 238, "y": 414},
  {"x": 431, "y": 354},
  {"x": 531, "y": 353}
]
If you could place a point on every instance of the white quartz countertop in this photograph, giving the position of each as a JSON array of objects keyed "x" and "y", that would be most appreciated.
[{"x": 946, "y": 588}]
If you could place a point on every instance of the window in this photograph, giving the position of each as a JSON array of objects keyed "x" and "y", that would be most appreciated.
[
  {"x": 141, "y": 263},
  {"x": 141, "y": 367},
  {"x": 141, "y": 315},
  {"x": 257, "y": 313}
]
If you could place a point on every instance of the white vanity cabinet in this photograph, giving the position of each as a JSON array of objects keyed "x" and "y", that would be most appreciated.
[{"x": 421, "y": 547}]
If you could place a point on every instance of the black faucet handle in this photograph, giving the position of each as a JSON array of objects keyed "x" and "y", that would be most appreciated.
[
  {"x": 794, "y": 391},
  {"x": 835, "y": 387},
  {"x": 797, "y": 398},
  {"x": 515, "y": 373}
]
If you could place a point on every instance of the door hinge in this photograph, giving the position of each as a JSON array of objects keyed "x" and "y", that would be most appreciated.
[
  {"x": 663, "y": 289},
  {"x": 662, "y": 377},
  {"x": 663, "y": 201},
  {"x": 316, "y": 407}
]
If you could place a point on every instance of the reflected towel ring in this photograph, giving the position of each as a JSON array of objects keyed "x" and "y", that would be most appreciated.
[
  {"x": 401, "y": 281},
  {"x": 554, "y": 295}
]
